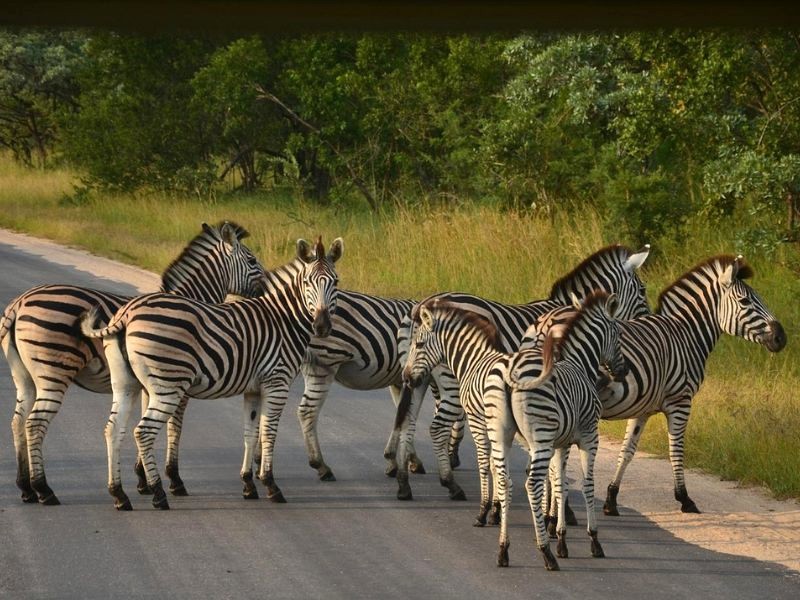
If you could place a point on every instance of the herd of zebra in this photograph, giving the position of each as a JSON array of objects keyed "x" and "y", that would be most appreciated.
[{"x": 542, "y": 373}]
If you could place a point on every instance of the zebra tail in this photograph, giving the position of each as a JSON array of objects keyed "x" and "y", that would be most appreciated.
[
  {"x": 402, "y": 407},
  {"x": 529, "y": 383},
  {"x": 116, "y": 325},
  {"x": 8, "y": 318}
]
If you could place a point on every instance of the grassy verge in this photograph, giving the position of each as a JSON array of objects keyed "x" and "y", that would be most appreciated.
[{"x": 746, "y": 418}]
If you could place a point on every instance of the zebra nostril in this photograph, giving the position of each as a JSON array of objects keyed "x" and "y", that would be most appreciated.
[{"x": 777, "y": 340}]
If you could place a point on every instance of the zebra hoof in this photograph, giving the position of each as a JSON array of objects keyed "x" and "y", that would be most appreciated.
[
  {"x": 327, "y": 476},
  {"x": 502, "y": 555},
  {"x": 50, "y": 500},
  {"x": 609, "y": 510},
  {"x": 561, "y": 547},
  {"x": 250, "y": 494},
  {"x": 178, "y": 490},
  {"x": 690, "y": 507},
  {"x": 610, "y": 505},
  {"x": 597, "y": 549},
  {"x": 457, "y": 494},
  {"x": 494, "y": 515},
  {"x": 160, "y": 497},
  {"x": 550, "y": 562},
  {"x": 417, "y": 468},
  {"x": 123, "y": 505},
  {"x": 29, "y": 497},
  {"x": 144, "y": 490},
  {"x": 480, "y": 521},
  {"x": 404, "y": 492},
  {"x": 276, "y": 497},
  {"x": 391, "y": 471}
]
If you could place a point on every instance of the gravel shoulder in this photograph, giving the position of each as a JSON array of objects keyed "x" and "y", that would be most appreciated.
[{"x": 735, "y": 520}]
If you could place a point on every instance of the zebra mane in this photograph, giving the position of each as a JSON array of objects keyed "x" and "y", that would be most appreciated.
[
  {"x": 555, "y": 344},
  {"x": 715, "y": 263},
  {"x": 563, "y": 286},
  {"x": 179, "y": 268},
  {"x": 485, "y": 326}
]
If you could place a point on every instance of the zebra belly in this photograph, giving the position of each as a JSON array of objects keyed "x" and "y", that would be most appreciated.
[{"x": 352, "y": 375}]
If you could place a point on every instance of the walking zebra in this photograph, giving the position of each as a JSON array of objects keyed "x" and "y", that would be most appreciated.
[
  {"x": 360, "y": 353},
  {"x": 176, "y": 347},
  {"x": 42, "y": 343},
  {"x": 667, "y": 354},
  {"x": 550, "y": 405},
  {"x": 612, "y": 269}
]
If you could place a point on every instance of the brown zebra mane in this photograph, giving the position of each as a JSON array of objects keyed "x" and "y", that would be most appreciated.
[{"x": 478, "y": 321}]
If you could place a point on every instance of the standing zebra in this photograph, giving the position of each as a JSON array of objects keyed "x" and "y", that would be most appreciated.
[
  {"x": 46, "y": 353},
  {"x": 176, "y": 347},
  {"x": 612, "y": 269},
  {"x": 667, "y": 354},
  {"x": 550, "y": 405}
]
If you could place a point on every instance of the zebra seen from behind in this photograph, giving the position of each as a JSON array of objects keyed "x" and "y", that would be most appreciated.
[
  {"x": 667, "y": 354},
  {"x": 175, "y": 347},
  {"x": 550, "y": 405},
  {"x": 612, "y": 269},
  {"x": 41, "y": 340}
]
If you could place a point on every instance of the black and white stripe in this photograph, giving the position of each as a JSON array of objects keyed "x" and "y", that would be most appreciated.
[
  {"x": 550, "y": 405},
  {"x": 46, "y": 353},
  {"x": 612, "y": 269},
  {"x": 175, "y": 347},
  {"x": 667, "y": 353}
]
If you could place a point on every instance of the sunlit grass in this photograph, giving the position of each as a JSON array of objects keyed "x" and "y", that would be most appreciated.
[{"x": 745, "y": 421}]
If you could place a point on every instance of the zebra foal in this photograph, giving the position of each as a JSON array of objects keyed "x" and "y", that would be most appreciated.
[
  {"x": 41, "y": 340},
  {"x": 667, "y": 354},
  {"x": 550, "y": 405},
  {"x": 175, "y": 348}
]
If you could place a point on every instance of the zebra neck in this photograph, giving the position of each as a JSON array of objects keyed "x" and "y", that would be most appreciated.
[
  {"x": 281, "y": 277},
  {"x": 694, "y": 309},
  {"x": 580, "y": 348},
  {"x": 464, "y": 349},
  {"x": 190, "y": 274}
]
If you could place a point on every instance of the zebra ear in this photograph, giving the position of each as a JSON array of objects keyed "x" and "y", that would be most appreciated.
[
  {"x": 305, "y": 251},
  {"x": 337, "y": 247},
  {"x": 575, "y": 301},
  {"x": 729, "y": 274},
  {"x": 230, "y": 234},
  {"x": 637, "y": 260},
  {"x": 612, "y": 305},
  {"x": 426, "y": 316}
]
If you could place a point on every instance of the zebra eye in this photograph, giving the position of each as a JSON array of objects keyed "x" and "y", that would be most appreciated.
[{"x": 746, "y": 302}]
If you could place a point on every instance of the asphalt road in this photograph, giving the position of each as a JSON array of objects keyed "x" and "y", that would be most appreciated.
[{"x": 344, "y": 539}]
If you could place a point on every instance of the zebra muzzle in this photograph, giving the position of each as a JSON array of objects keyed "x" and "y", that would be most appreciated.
[{"x": 775, "y": 340}]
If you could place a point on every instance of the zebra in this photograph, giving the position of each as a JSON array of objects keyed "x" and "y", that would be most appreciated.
[
  {"x": 612, "y": 269},
  {"x": 667, "y": 353},
  {"x": 177, "y": 347},
  {"x": 550, "y": 405},
  {"x": 46, "y": 353}
]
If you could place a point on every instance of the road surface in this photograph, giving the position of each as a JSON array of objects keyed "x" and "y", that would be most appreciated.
[{"x": 345, "y": 539}]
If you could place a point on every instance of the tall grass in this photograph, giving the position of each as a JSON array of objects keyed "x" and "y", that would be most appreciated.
[{"x": 746, "y": 418}]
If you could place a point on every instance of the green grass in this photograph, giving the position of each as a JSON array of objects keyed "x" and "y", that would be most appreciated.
[{"x": 746, "y": 419}]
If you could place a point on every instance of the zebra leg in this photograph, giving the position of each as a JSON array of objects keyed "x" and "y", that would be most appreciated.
[
  {"x": 477, "y": 426},
  {"x": 494, "y": 512},
  {"x": 500, "y": 429},
  {"x": 174, "y": 428},
  {"x": 162, "y": 406},
  {"x": 26, "y": 395},
  {"x": 142, "y": 487},
  {"x": 632, "y": 434},
  {"x": 114, "y": 433},
  {"x": 251, "y": 422},
  {"x": 318, "y": 380},
  {"x": 274, "y": 393},
  {"x": 535, "y": 483},
  {"x": 47, "y": 404},
  {"x": 588, "y": 450},
  {"x": 440, "y": 430},
  {"x": 456, "y": 437},
  {"x": 551, "y": 516},
  {"x": 404, "y": 432},
  {"x": 560, "y": 486},
  {"x": 677, "y": 419},
  {"x": 414, "y": 464}
]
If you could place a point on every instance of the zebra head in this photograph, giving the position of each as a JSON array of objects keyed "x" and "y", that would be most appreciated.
[
  {"x": 613, "y": 269},
  {"x": 214, "y": 264},
  {"x": 425, "y": 350},
  {"x": 247, "y": 276},
  {"x": 319, "y": 282},
  {"x": 742, "y": 311},
  {"x": 602, "y": 311}
]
